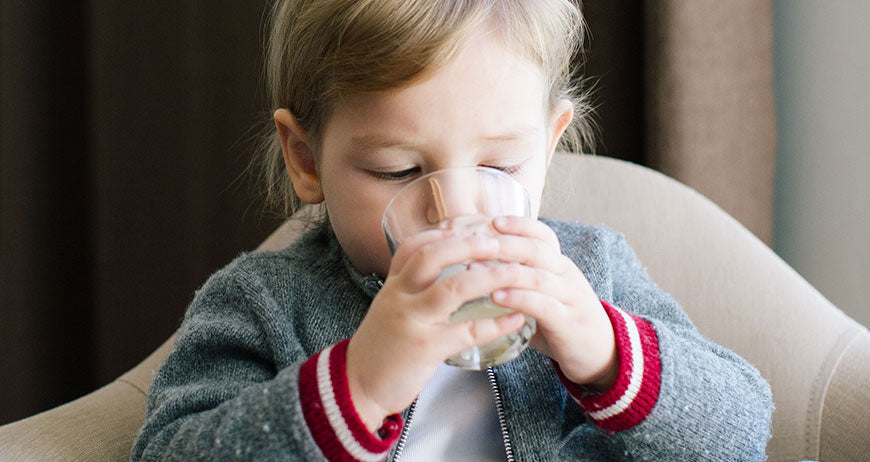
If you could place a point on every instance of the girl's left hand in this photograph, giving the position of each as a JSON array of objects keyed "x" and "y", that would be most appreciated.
[{"x": 572, "y": 327}]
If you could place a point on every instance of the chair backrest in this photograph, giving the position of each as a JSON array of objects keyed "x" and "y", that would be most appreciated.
[{"x": 737, "y": 292}]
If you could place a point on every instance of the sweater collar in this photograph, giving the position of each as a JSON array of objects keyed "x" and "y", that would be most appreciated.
[{"x": 370, "y": 284}]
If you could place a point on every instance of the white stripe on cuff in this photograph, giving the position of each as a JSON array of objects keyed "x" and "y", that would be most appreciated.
[
  {"x": 333, "y": 413},
  {"x": 634, "y": 383}
]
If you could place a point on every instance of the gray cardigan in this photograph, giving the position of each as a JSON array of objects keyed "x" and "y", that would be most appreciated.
[{"x": 230, "y": 387}]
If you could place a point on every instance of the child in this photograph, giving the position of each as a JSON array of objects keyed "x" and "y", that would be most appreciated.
[{"x": 321, "y": 350}]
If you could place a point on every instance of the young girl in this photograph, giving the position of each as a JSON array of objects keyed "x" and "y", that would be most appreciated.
[{"x": 333, "y": 348}]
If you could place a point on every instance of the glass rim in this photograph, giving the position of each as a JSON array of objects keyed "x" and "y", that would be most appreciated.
[{"x": 489, "y": 170}]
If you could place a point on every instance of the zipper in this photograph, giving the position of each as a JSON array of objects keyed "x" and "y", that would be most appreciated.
[
  {"x": 499, "y": 407},
  {"x": 403, "y": 437}
]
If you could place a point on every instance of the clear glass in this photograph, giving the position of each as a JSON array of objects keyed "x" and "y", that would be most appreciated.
[{"x": 464, "y": 199}]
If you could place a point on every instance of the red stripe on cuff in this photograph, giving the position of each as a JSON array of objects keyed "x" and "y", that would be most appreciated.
[
  {"x": 636, "y": 389},
  {"x": 331, "y": 417}
]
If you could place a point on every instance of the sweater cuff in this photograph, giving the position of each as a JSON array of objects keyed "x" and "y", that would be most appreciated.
[
  {"x": 331, "y": 416},
  {"x": 636, "y": 389}
]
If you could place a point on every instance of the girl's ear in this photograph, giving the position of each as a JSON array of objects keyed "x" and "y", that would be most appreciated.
[
  {"x": 560, "y": 119},
  {"x": 298, "y": 158}
]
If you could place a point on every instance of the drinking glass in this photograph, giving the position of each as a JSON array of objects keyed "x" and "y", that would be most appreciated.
[{"x": 465, "y": 199}]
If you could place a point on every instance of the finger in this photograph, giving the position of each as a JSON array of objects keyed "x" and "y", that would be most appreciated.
[
  {"x": 464, "y": 335},
  {"x": 528, "y": 227},
  {"x": 533, "y": 252},
  {"x": 425, "y": 265},
  {"x": 408, "y": 247},
  {"x": 546, "y": 309},
  {"x": 447, "y": 295},
  {"x": 559, "y": 287}
]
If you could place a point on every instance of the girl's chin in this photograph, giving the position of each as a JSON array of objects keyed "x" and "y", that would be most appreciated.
[{"x": 366, "y": 267}]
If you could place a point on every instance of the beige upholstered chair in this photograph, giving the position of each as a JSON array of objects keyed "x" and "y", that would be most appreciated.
[{"x": 736, "y": 290}]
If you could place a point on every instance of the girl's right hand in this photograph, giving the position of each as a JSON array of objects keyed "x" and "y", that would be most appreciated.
[{"x": 406, "y": 332}]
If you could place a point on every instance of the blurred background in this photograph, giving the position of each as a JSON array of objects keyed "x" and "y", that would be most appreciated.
[{"x": 126, "y": 128}]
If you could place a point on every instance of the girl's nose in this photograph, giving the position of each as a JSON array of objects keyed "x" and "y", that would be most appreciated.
[{"x": 452, "y": 192}]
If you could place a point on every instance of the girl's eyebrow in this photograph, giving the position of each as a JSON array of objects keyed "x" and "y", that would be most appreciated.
[
  {"x": 514, "y": 134},
  {"x": 376, "y": 141}
]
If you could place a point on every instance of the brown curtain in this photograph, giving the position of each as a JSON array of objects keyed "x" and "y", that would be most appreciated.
[
  {"x": 686, "y": 87},
  {"x": 710, "y": 117},
  {"x": 122, "y": 137}
]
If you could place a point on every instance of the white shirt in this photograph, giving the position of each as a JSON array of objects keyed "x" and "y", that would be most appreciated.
[{"x": 455, "y": 419}]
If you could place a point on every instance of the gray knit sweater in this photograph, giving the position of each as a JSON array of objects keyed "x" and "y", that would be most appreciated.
[{"x": 236, "y": 387}]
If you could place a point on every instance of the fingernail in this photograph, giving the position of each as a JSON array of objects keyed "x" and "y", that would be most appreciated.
[{"x": 500, "y": 221}]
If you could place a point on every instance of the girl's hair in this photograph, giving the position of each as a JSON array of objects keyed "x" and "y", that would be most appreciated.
[{"x": 318, "y": 51}]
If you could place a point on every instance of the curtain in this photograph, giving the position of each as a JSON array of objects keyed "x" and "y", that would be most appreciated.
[
  {"x": 124, "y": 133},
  {"x": 686, "y": 87},
  {"x": 710, "y": 116},
  {"x": 124, "y": 128}
]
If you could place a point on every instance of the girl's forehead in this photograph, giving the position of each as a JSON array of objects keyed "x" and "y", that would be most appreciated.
[{"x": 482, "y": 74}]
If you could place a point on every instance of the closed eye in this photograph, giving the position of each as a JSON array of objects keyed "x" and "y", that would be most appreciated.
[
  {"x": 509, "y": 169},
  {"x": 397, "y": 175}
]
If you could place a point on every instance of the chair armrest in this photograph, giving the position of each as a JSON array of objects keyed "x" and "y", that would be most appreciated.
[
  {"x": 99, "y": 426},
  {"x": 847, "y": 403}
]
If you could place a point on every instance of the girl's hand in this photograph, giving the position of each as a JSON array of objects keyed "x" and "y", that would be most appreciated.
[
  {"x": 406, "y": 333},
  {"x": 572, "y": 327}
]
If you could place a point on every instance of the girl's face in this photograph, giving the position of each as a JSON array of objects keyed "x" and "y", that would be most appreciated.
[{"x": 485, "y": 107}]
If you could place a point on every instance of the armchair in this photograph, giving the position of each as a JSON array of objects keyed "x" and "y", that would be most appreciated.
[{"x": 735, "y": 289}]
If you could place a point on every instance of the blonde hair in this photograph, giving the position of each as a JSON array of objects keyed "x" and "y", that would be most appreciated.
[{"x": 320, "y": 50}]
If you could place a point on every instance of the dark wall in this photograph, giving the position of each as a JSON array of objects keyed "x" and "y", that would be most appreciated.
[{"x": 615, "y": 71}]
